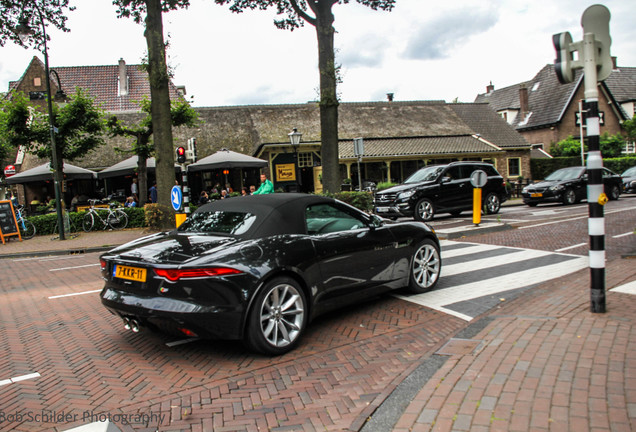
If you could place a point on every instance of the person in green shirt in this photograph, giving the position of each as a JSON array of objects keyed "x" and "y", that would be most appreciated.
[{"x": 266, "y": 187}]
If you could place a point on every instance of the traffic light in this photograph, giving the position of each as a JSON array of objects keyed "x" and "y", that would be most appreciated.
[
  {"x": 181, "y": 155},
  {"x": 563, "y": 64},
  {"x": 596, "y": 20},
  {"x": 191, "y": 152}
]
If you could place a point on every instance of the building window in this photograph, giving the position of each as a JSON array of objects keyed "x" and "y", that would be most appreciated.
[
  {"x": 37, "y": 81},
  {"x": 630, "y": 147},
  {"x": 305, "y": 160},
  {"x": 514, "y": 167}
]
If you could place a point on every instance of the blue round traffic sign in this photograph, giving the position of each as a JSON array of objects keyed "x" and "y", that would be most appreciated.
[{"x": 176, "y": 197}]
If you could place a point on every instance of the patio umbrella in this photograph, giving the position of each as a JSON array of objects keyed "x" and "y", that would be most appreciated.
[
  {"x": 128, "y": 167},
  {"x": 225, "y": 158},
  {"x": 44, "y": 173}
]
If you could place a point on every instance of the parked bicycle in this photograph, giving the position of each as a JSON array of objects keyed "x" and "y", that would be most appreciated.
[
  {"x": 116, "y": 218},
  {"x": 69, "y": 228},
  {"x": 27, "y": 229}
]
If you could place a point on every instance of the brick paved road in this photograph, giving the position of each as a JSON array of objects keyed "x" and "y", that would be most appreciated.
[
  {"x": 347, "y": 365},
  {"x": 88, "y": 363}
]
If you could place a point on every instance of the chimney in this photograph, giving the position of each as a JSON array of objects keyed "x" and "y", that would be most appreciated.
[
  {"x": 490, "y": 88},
  {"x": 123, "y": 78},
  {"x": 614, "y": 65},
  {"x": 389, "y": 97},
  {"x": 523, "y": 101}
]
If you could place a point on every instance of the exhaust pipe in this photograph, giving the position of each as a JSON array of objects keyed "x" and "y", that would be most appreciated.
[
  {"x": 134, "y": 326},
  {"x": 131, "y": 324}
]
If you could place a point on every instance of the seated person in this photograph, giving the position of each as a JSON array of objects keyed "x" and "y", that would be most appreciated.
[{"x": 130, "y": 202}]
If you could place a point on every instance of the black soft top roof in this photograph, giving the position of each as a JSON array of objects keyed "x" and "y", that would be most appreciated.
[{"x": 278, "y": 213}]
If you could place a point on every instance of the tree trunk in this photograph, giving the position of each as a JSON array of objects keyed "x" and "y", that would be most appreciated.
[
  {"x": 160, "y": 111},
  {"x": 328, "y": 98}
]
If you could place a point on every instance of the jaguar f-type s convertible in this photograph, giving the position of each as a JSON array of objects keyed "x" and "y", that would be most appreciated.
[{"x": 259, "y": 268}]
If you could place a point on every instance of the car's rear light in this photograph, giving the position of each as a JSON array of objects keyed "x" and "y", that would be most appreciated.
[
  {"x": 176, "y": 274},
  {"x": 103, "y": 264},
  {"x": 187, "y": 332}
]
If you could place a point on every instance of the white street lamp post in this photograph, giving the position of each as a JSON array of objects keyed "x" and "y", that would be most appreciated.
[{"x": 294, "y": 137}]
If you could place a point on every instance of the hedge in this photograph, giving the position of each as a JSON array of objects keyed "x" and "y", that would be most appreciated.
[
  {"x": 45, "y": 224},
  {"x": 145, "y": 217}
]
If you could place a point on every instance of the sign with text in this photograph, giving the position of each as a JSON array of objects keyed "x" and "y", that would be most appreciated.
[
  {"x": 285, "y": 172},
  {"x": 8, "y": 222}
]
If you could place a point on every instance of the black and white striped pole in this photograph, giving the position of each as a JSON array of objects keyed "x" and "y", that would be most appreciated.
[
  {"x": 186, "y": 190},
  {"x": 595, "y": 60}
]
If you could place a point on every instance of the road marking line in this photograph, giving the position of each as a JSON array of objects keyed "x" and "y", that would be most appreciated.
[
  {"x": 623, "y": 235},
  {"x": 576, "y": 218},
  {"x": 628, "y": 288},
  {"x": 470, "y": 248},
  {"x": 439, "y": 298},
  {"x": 74, "y": 294},
  {"x": 19, "y": 378},
  {"x": 571, "y": 247},
  {"x": 478, "y": 264},
  {"x": 74, "y": 267},
  {"x": 48, "y": 259}
]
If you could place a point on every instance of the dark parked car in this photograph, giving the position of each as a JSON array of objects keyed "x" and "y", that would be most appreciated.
[
  {"x": 629, "y": 180},
  {"x": 259, "y": 268},
  {"x": 569, "y": 186},
  {"x": 441, "y": 189}
]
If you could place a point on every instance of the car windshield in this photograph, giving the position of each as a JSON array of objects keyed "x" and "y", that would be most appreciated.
[
  {"x": 425, "y": 174},
  {"x": 565, "y": 174},
  {"x": 218, "y": 222},
  {"x": 630, "y": 172}
]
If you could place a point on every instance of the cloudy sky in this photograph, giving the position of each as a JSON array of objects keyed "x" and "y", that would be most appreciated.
[{"x": 422, "y": 50}]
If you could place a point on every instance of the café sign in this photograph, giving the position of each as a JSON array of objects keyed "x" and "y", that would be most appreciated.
[
  {"x": 9, "y": 170},
  {"x": 285, "y": 172}
]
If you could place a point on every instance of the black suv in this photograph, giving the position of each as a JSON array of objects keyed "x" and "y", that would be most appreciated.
[{"x": 441, "y": 189}]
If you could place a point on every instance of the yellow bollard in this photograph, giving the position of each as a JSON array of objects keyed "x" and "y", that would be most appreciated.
[
  {"x": 180, "y": 217},
  {"x": 476, "y": 206}
]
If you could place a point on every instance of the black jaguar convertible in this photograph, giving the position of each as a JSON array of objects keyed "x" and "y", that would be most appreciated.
[{"x": 259, "y": 268}]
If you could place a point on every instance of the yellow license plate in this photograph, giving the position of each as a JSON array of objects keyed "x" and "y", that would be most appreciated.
[
  {"x": 130, "y": 273},
  {"x": 536, "y": 195}
]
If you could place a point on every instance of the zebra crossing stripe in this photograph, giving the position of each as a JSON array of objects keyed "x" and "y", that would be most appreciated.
[{"x": 474, "y": 276}]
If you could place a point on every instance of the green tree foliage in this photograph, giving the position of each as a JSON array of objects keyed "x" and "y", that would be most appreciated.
[
  {"x": 150, "y": 13},
  {"x": 35, "y": 13},
  {"x": 629, "y": 126},
  {"x": 567, "y": 147},
  {"x": 317, "y": 13},
  {"x": 181, "y": 114},
  {"x": 79, "y": 125},
  {"x": 14, "y": 12},
  {"x": 611, "y": 146}
]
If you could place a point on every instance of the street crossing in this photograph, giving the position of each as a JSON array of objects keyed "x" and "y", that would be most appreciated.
[{"x": 475, "y": 277}]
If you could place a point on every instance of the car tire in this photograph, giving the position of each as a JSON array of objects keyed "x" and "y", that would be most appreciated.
[
  {"x": 532, "y": 204},
  {"x": 614, "y": 192},
  {"x": 425, "y": 268},
  {"x": 492, "y": 203},
  {"x": 424, "y": 210},
  {"x": 569, "y": 197},
  {"x": 278, "y": 317}
]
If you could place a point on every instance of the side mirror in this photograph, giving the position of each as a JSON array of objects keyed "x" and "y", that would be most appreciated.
[{"x": 375, "y": 221}]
